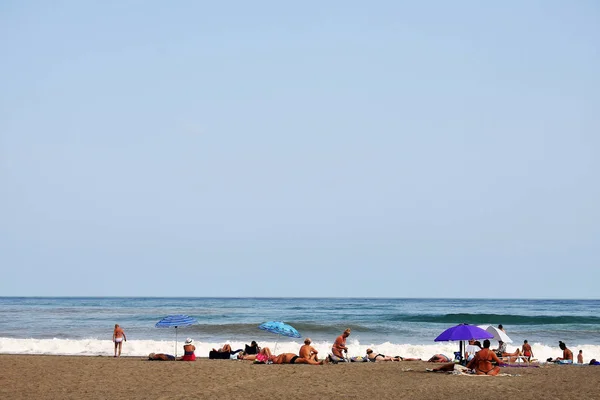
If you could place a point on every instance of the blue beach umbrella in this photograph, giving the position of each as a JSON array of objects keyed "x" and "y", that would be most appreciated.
[
  {"x": 175, "y": 321},
  {"x": 463, "y": 332},
  {"x": 280, "y": 328}
]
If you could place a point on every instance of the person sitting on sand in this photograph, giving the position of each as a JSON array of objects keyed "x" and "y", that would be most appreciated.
[
  {"x": 379, "y": 357},
  {"x": 501, "y": 348},
  {"x": 439, "y": 358},
  {"x": 471, "y": 349},
  {"x": 291, "y": 358},
  {"x": 501, "y": 352},
  {"x": 526, "y": 350},
  {"x": 482, "y": 362},
  {"x": 188, "y": 350},
  {"x": 339, "y": 346},
  {"x": 308, "y": 352},
  {"x": 567, "y": 357},
  {"x": 160, "y": 357},
  {"x": 252, "y": 349},
  {"x": 263, "y": 355}
]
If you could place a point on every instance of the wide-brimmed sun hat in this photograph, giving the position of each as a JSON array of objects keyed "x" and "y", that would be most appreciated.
[{"x": 189, "y": 341}]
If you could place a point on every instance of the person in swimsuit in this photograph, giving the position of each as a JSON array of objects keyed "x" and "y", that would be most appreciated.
[
  {"x": 482, "y": 362},
  {"x": 188, "y": 350},
  {"x": 291, "y": 358},
  {"x": 160, "y": 357},
  {"x": 379, "y": 357},
  {"x": 526, "y": 350},
  {"x": 118, "y": 337},
  {"x": 308, "y": 352},
  {"x": 263, "y": 355},
  {"x": 339, "y": 346},
  {"x": 567, "y": 357},
  {"x": 580, "y": 357},
  {"x": 439, "y": 358}
]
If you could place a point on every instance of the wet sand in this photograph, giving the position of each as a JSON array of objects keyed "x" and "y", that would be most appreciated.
[{"x": 66, "y": 377}]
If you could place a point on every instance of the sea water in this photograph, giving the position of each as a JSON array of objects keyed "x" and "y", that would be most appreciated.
[{"x": 405, "y": 327}]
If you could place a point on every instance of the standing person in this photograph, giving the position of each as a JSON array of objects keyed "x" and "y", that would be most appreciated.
[
  {"x": 580, "y": 357},
  {"x": 527, "y": 351},
  {"x": 308, "y": 352},
  {"x": 339, "y": 346},
  {"x": 118, "y": 338},
  {"x": 501, "y": 328}
]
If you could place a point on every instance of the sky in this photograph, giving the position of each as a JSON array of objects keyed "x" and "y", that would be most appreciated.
[{"x": 300, "y": 149}]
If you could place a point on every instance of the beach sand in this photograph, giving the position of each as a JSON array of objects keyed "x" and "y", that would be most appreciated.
[{"x": 68, "y": 377}]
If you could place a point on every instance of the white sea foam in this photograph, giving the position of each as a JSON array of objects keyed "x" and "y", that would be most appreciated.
[{"x": 141, "y": 348}]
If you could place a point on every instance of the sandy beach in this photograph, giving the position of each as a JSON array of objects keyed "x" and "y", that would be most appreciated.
[{"x": 69, "y": 377}]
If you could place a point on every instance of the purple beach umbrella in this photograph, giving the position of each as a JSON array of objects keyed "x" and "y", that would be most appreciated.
[{"x": 463, "y": 332}]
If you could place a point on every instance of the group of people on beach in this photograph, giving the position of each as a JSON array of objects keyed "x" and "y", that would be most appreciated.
[{"x": 479, "y": 359}]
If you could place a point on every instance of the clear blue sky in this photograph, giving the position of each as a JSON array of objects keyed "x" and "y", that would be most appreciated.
[{"x": 264, "y": 148}]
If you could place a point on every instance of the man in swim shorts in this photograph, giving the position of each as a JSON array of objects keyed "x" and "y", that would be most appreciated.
[
  {"x": 339, "y": 346},
  {"x": 308, "y": 352},
  {"x": 118, "y": 337}
]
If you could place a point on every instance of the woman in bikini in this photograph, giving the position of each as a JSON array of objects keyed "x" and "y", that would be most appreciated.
[
  {"x": 379, "y": 357},
  {"x": 189, "y": 351},
  {"x": 482, "y": 362}
]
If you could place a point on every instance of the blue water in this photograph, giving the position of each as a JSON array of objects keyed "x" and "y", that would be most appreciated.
[{"x": 414, "y": 321}]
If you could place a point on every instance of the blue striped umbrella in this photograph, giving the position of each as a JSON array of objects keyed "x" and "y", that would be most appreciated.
[
  {"x": 175, "y": 321},
  {"x": 280, "y": 328}
]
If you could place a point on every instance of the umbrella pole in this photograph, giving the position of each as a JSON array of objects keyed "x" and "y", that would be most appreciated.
[{"x": 175, "y": 342}]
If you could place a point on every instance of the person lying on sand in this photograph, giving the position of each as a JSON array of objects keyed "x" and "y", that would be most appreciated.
[
  {"x": 372, "y": 356},
  {"x": 160, "y": 357},
  {"x": 263, "y": 355},
  {"x": 482, "y": 362},
  {"x": 439, "y": 358},
  {"x": 291, "y": 358}
]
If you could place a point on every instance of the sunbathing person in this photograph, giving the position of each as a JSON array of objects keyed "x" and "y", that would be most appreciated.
[
  {"x": 188, "y": 350},
  {"x": 482, "y": 362},
  {"x": 160, "y": 357},
  {"x": 263, "y": 355},
  {"x": 439, "y": 358},
  {"x": 379, "y": 357},
  {"x": 291, "y": 358},
  {"x": 224, "y": 353},
  {"x": 308, "y": 352}
]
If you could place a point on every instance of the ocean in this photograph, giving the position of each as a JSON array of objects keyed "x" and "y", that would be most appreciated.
[{"x": 405, "y": 327}]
